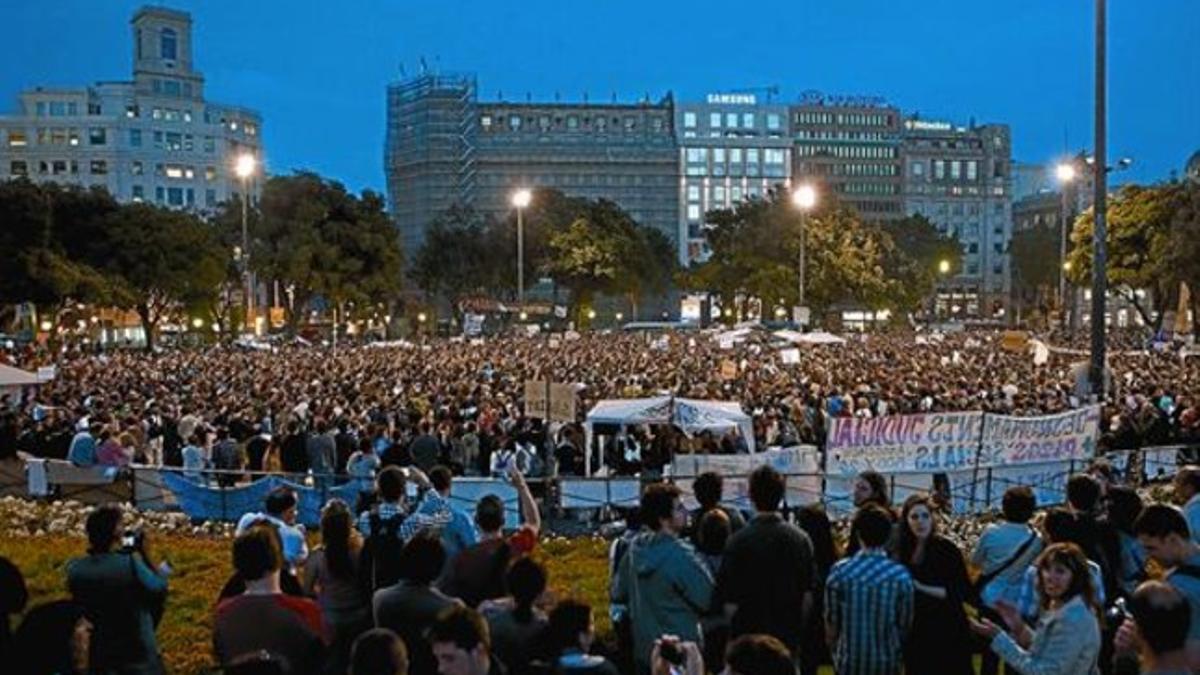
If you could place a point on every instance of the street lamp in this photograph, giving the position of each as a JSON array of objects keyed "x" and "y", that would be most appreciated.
[
  {"x": 620, "y": 316},
  {"x": 1065, "y": 172},
  {"x": 520, "y": 200},
  {"x": 197, "y": 323},
  {"x": 244, "y": 168},
  {"x": 46, "y": 326},
  {"x": 943, "y": 268},
  {"x": 591, "y": 314},
  {"x": 804, "y": 198}
]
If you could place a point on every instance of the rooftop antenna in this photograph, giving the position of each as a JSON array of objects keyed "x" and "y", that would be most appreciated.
[
  {"x": 528, "y": 97},
  {"x": 499, "y": 94},
  {"x": 424, "y": 66},
  {"x": 402, "y": 73},
  {"x": 556, "y": 97},
  {"x": 585, "y": 97},
  {"x": 614, "y": 98}
]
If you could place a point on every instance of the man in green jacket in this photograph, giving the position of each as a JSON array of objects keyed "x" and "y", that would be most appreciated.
[{"x": 665, "y": 585}]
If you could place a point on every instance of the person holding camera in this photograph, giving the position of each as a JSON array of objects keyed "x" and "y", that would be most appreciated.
[
  {"x": 122, "y": 593},
  {"x": 1156, "y": 628}
]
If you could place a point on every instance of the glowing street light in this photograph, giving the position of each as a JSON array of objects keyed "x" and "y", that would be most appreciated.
[
  {"x": 591, "y": 314},
  {"x": 620, "y": 316},
  {"x": 244, "y": 167},
  {"x": 46, "y": 326},
  {"x": 804, "y": 198},
  {"x": 197, "y": 323},
  {"x": 521, "y": 199},
  {"x": 524, "y": 316},
  {"x": 944, "y": 267},
  {"x": 421, "y": 317},
  {"x": 1065, "y": 172}
]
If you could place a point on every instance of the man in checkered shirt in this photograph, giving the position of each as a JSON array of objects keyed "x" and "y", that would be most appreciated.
[{"x": 869, "y": 602}]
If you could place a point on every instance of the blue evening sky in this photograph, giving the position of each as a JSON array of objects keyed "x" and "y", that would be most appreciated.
[{"x": 317, "y": 71}]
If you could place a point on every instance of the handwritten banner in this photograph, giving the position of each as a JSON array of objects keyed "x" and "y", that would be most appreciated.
[
  {"x": 926, "y": 443},
  {"x": 1035, "y": 440},
  {"x": 800, "y": 465}
]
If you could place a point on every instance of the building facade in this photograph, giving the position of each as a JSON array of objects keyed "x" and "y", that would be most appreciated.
[
  {"x": 155, "y": 139},
  {"x": 731, "y": 148},
  {"x": 850, "y": 147},
  {"x": 445, "y": 146},
  {"x": 960, "y": 179}
]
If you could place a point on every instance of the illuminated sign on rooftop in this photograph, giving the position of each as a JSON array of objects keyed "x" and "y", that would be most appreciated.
[
  {"x": 927, "y": 125},
  {"x": 732, "y": 99}
]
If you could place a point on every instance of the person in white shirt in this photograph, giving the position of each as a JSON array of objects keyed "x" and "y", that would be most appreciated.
[{"x": 282, "y": 506}]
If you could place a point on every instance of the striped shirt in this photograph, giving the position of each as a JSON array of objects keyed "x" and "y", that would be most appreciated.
[
  {"x": 433, "y": 511},
  {"x": 869, "y": 605}
]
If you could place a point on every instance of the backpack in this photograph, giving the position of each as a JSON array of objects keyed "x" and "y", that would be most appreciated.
[{"x": 379, "y": 561}]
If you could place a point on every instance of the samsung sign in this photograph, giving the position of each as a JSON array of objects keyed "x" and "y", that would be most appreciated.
[
  {"x": 925, "y": 125},
  {"x": 732, "y": 99}
]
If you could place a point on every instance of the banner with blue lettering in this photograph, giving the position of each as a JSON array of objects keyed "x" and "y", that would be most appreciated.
[
  {"x": 1066, "y": 437},
  {"x": 925, "y": 443}
]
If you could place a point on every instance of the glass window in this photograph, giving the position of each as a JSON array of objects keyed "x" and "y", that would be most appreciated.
[
  {"x": 714, "y": 120},
  {"x": 136, "y": 168},
  {"x": 17, "y": 139},
  {"x": 99, "y": 167},
  {"x": 731, "y": 120},
  {"x": 918, "y": 168},
  {"x": 210, "y": 173},
  {"x": 93, "y": 109},
  {"x": 514, "y": 122},
  {"x": 747, "y": 120},
  {"x": 58, "y": 109},
  {"x": 735, "y": 193},
  {"x": 718, "y": 195},
  {"x": 18, "y": 168},
  {"x": 773, "y": 156},
  {"x": 139, "y": 193},
  {"x": 972, "y": 170},
  {"x": 210, "y": 145},
  {"x": 572, "y": 122},
  {"x": 939, "y": 169},
  {"x": 97, "y": 136},
  {"x": 689, "y": 120},
  {"x": 174, "y": 141},
  {"x": 693, "y": 212},
  {"x": 210, "y": 197},
  {"x": 485, "y": 121},
  {"x": 955, "y": 170},
  {"x": 697, "y": 155},
  {"x": 169, "y": 45},
  {"x": 135, "y": 138},
  {"x": 693, "y": 193},
  {"x": 175, "y": 196},
  {"x": 773, "y": 121},
  {"x": 41, "y": 108},
  {"x": 159, "y": 194},
  {"x": 171, "y": 87},
  {"x": 630, "y": 123},
  {"x": 58, "y": 166}
]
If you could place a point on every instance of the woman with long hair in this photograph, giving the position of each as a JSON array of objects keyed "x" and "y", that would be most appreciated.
[
  {"x": 869, "y": 487},
  {"x": 1067, "y": 636},
  {"x": 518, "y": 628},
  {"x": 940, "y": 638},
  {"x": 331, "y": 575},
  {"x": 814, "y": 650}
]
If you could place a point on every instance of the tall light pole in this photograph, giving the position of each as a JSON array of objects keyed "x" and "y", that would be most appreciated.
[
  {"x": 244, "y": 168},
  {"x": 804, "y": 198},
  {"x": 1065, "y": 172},
  {"x": 1100, "y": 230},
  {"x": 521, "y": 199},
  {"x": 943, "y": 269}
]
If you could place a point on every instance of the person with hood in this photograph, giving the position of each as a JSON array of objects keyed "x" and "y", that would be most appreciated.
[{"x": 665, "y": 585}]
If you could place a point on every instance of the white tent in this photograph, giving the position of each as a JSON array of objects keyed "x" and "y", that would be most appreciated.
[
  {"x": 691, "y": 415},
  {"x": 813, "y": 338},
  {"x": 12, "y": 380}
]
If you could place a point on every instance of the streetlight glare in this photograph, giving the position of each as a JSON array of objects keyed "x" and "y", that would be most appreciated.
[
  {"x": 944, "y": 267},
  {"x": 1065, "y": 172},
  {"x": 245, "y": 166},
  {"x": 521, "y": 198},
  {"x": 804, "y": 197}
]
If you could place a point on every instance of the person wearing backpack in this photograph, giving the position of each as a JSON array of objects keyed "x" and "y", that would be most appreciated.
[
  {"x": 1164, "y": 534},
  {"x": 389, "y": 524}
]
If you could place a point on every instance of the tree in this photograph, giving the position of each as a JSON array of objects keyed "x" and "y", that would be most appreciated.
[
  {"x": 913, "y": 256},
  {"x": 160, "y": 261},
  {"x": 756, "y": 248},
  {"x": 1184, "y": 251},
  {"x": 1139, "y": 248},
  {"x": 1034, "y": 271},
  {"x": 454, "y": 259},
  {"x": 318, "y": 240}
]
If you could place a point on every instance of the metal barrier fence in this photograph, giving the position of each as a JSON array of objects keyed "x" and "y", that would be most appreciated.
[{"x": 226, "y": 495}]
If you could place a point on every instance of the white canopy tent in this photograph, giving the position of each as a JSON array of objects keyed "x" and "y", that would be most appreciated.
[
  {"x": 691, "y": 415},
  {"x": 813, "y": 338},
  {"x": 13, "y": 380}
]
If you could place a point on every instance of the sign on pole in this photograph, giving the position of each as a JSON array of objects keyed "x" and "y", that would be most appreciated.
[
  {"x": 802, "y": 315},
  {"x": 536, "y": 402},
  {"x": 562, "y": 402}
]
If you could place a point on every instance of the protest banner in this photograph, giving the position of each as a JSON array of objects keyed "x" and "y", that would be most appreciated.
[
  {"x": 1033, "y": 440},
  {"x": 562, "y": 403},
  {"x": 472, "y": 324},
  {"x": 789, "y": 356},
  {"x": 800, "y": 465},
  {"x": 537, "y": 403},
  {"x": 925, "y": 443}
]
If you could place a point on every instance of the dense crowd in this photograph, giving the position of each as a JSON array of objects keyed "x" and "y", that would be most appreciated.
[
  {"x": 461, "y": 404},
  {"x": 1106, "y": 584}
]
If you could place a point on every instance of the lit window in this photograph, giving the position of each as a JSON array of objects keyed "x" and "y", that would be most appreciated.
[
  {"x": 731, "y": 120},
  {"x": 714, "y": 120},
  {"x": 693, "y": 212},
  {"x": 689, "y": 120},
  {"x": 17, "y": 139},
  {"x": 139, "y": 193},
  {"x": 693, "y": 193},
  {"x": 955, "y": 170},
  {"x": 73, "y": 137},
  {"x": 485, "y": 121},
  {"x": 972, "y": 170},
  {"x": 99, "y": 167},
  {"x": 773, "y": 122},
  {"x": 136, "y": 168},
  {"x": 174, "y": 171},
  {"x": 747, "y": 120},
  {"x": 210, "y": 173}
]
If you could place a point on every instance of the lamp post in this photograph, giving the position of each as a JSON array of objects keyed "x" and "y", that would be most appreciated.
[
  {"x": 521, "y": 199},
  {"x": 804, "y": 198},
  {"x": 244, "y": 168},
  {"x": 1065, "y": 172},
  {"x": 1100, "y": 228},
  {"x": 943, "y": 268}
]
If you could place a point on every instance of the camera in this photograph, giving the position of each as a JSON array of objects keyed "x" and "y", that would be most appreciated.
[
  {"x": 670, "y": 652},
  {"x": 132, "y": 540},
  {"x": 1117, "y": 613}
]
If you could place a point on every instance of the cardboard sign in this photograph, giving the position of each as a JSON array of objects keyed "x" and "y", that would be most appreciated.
[
  {"x": 562, "y": 403},
  {"x": 536, "y": 402}
]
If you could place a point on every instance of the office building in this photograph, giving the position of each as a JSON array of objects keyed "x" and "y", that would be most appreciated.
[
  {"x": 444, "y": 145},
  {"x": 154, "y": 139},
  {"x": 850, "y": 147},
  {"x": 731, "y": 148},
  {"x": 959, "y": 178}
]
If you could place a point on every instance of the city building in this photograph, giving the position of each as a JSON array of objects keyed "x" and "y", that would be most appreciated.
[
  {"x": 850, "y": 147},
  {"x": 444, "y": 145},
  {"x": 959, "y": 178},
  {"x": 731, "y": 147},
  {"x": 155, "y": 139}
]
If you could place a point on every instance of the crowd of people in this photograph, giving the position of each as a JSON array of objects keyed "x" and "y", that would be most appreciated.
[
  {"x": 300, "y": 409},
  {"x": 1105, "y": 584}
]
